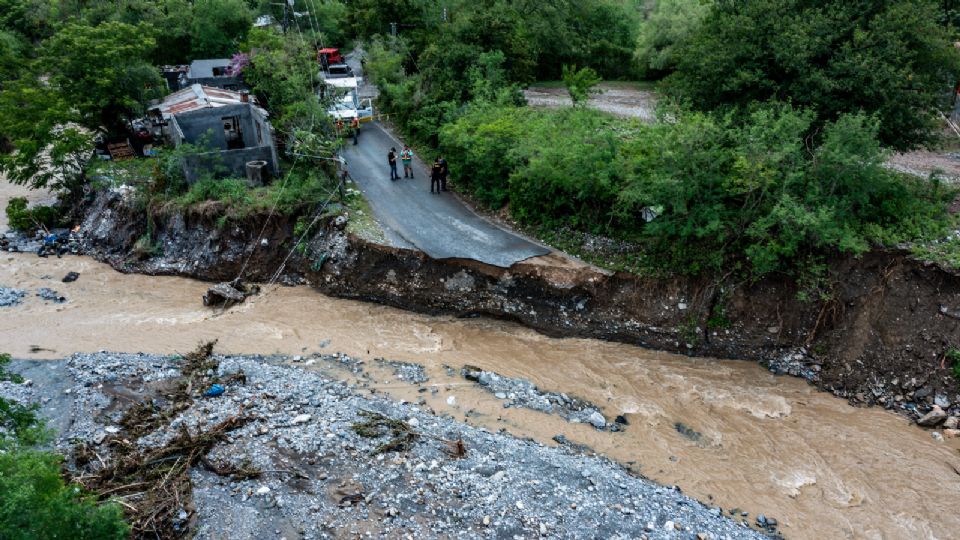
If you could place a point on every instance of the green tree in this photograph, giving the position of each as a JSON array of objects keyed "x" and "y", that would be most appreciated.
[
  {"x": 282, "y": 71},
  {"x": 169, "y": 19},
  {"x": 86, "y": 80},
  {"x": 12, "y": 56},
  {"x": 892, "y": 59},
  {"x": 32, "y": 19},
  {"x": 52, "y": 146},
  {"x": 668, "y": 24},
  {"x": 103, "y": 71},
  {"x": 219, "y": 27},
  {"x": 34, "y": 501},
  {"x": 580, "y": 83},
  {"x": 367, "y": 18}
]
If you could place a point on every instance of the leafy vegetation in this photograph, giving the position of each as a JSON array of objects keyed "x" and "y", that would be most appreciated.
[
  {"x": 718, "y": 192},
  {"x": 35, "y": 503},
  {"x": 953, "y": 354},
  {"x": 22, "y": 218},
  {"x": 893, "y": 60},
  {"x": 85, "y": 80},
  {"x": 669, "y": 23},
  {"x": 580, "y": 83},
  {"x": 781, "y": 169},
  {"x": 485, "y": 48}
]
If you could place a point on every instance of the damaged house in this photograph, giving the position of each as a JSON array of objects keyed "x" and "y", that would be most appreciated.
[
  {"x": 230, "y": 123},
  {"x": 208, "y": 72}
]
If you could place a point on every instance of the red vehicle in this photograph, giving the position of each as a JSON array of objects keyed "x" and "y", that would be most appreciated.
[{"x": 329, "y": 56}]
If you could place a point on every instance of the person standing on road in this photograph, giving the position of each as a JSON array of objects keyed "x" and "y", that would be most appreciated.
[
  {"x": 407, "y": 158},
  {"x": 436, "y": 174},
  {"x": 392, "y": 160},
  {"x": 444, "y": 171},
  {"x": 355, "y": 126}
]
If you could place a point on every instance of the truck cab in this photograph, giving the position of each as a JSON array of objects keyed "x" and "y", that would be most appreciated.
[{"x": 329, "y": 56}]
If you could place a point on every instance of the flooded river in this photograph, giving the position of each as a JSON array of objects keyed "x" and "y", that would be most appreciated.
[{"x": 771, "y": 445}]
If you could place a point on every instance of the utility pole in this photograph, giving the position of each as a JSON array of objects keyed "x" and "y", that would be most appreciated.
[
  {"x": 285, "y": 23},
  {"x": 286, "y": 15}
]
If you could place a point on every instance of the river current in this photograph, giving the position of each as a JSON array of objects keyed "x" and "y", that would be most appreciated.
[{"x": 766, "y": 444}]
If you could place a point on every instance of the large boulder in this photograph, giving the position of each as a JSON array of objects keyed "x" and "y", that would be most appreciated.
[
  {"x": 932, "y": 418},
  {"x": 226, "y": 294}
]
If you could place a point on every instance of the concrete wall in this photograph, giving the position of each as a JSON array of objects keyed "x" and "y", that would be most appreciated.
[
  {"x": 196, "y": 124},
  {"x": 192, "y": 127},
  {"x": 227, "y": 83},
  {"x": 228, "y": 163}
]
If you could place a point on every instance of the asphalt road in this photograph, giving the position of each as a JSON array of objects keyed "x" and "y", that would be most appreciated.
[{"x": 439, "y": 225}]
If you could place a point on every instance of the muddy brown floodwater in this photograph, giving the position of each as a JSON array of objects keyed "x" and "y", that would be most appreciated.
[{"x": 771, "y": 445}]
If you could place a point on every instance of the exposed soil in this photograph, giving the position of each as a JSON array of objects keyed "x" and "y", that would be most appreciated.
[
  {"x": 621, "y": 99},
  {"x": 923, "y": 163},
  {"x": 881, "y": 340}
]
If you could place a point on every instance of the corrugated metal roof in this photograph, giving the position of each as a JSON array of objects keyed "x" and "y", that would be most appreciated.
[{"x": 196, "y": 97}]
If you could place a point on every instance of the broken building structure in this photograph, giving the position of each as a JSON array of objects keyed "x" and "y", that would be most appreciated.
[{"x": 230, "y": 124}]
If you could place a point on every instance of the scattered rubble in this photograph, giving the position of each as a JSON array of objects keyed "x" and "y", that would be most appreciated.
[
  {"x": 796, "y": 363},
  {"x": 523, "y": 393},
  {"x": 288, "y": 452},
  {"x": 227, "y": 294},
  {"x": 50, "y": 295},
  {"x": 11, "y": 297},
  {"x": 406, "y": 371}
]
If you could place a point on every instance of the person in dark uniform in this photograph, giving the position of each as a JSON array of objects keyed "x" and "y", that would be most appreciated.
[
  {"x": 392, "y": 160},
  {"x": 436, "y": 173},
  {"x": 444, "y": 171}
]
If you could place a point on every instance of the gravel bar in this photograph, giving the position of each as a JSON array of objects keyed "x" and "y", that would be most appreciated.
[{"x": 321, "y": 479}]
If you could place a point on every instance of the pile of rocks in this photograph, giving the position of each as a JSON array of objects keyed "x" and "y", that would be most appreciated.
[
  {"x": 907, "y": 395},
  {"x": 320, "y": 478},
  {"x": 50, "y": 295},
  {"x": 936, "y": 416},
  {"x": 523, "y": 393},
  {"x": 796, "y": 363},
  {"x": 405, "y": 371},
  {"x": 11, "y": 297}
]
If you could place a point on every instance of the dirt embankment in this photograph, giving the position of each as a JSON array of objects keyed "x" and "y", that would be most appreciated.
[
  {"x": 881, "y": 339},
  {"x": 192, "y": 243}
]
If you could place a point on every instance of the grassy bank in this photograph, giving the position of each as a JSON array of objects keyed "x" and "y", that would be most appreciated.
[{"x": 700, "y": 194}]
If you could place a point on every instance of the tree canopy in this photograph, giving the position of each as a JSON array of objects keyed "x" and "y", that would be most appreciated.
[
  {"x": 86, "y": 79},
  {"x": 667, "y": 25},
  {"x": 889, "y": 59}
]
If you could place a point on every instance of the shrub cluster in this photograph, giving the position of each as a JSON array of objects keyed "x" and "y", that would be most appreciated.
[
  {"x": 700, "y": 192},
  {"x": 22, "y": 218},
  {"x": 34, "y": 500}
]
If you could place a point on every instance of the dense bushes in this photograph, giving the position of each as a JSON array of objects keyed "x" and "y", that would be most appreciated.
[
  {"x": 724, "y": 192},
  {"x": 482, "y": 49},
  {"x": 34, "y": 501},
  {"x": 668, "y": 24},
  {"x": 891, "y": 59},
  {"x": 24, "y": 219}
]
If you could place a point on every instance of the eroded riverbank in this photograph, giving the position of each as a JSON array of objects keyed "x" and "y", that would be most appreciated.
[{"x": 772, "y": 445}]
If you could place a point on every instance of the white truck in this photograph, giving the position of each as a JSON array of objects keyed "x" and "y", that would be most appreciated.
[{"x": 341, "y": 85}]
